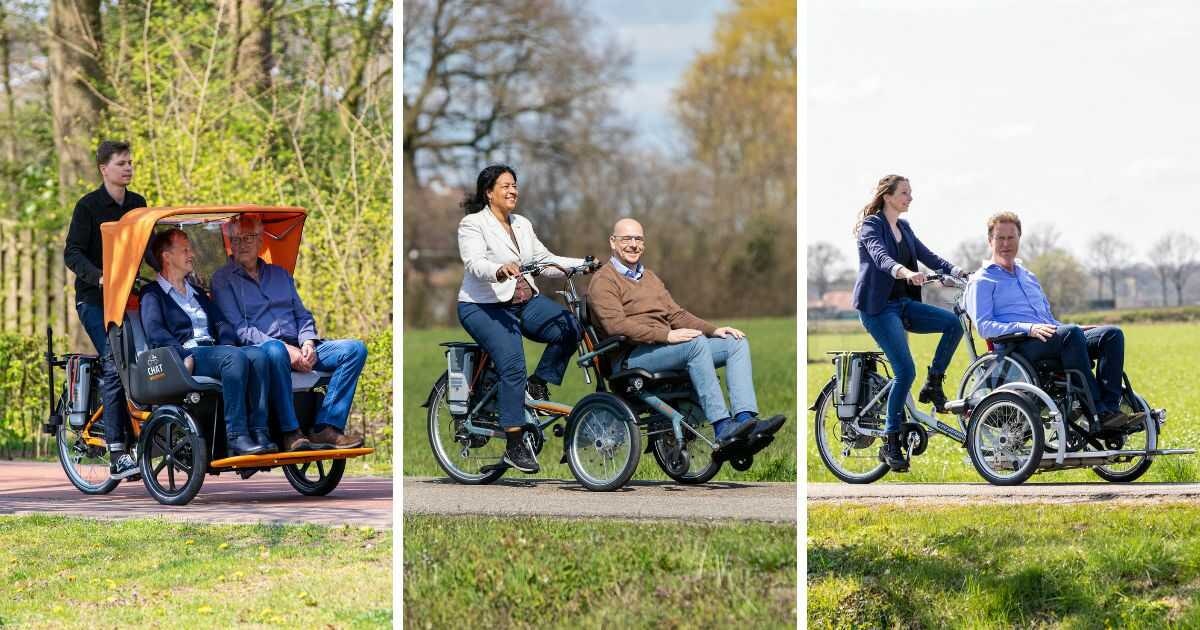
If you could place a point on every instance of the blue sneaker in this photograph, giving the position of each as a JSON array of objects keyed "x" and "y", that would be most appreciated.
[{"x": 728, "y": 430}]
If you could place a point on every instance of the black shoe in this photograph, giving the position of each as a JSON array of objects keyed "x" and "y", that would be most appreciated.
[
  {"x": 537, "y": 389},
  {"x": 770, "y": 425},
  {"x": 729, "y": 431},
  {"x": 244, "y": 445},
  {"x": 932, "y": 392},
  {"x": 122, "y": 467},
  {"x": 264, "y": 440},
  {"x": 518, "y": 456},
  {"x": 893, "y": 455}
]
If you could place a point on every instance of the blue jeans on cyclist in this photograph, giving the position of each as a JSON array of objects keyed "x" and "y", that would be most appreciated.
[
  {"x": 499, "y": 328},
  {"x": 890, "y": 328}
]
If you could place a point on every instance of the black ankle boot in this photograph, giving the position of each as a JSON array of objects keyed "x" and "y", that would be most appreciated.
[
  {"x": 893, "y": 455},
  {"x": 932, "y": 391}
]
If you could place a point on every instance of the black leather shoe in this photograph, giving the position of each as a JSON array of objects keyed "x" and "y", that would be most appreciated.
[
  {"x": 518, "y": 456},
  {"x": 931, "y": 392},
  {"x": 537, "y": 389},
  {"x": 770, "y": 425},
  {"x": 264, "y": 440},
  {"x": 893, "y": 455},
  {"x": 244, "y": 445}
]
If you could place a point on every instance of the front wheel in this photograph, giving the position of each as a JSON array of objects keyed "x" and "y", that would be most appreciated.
[
  {"x": 86, "y": 464},
  {"x": 1005, "y": 438},
  {"x": 174, "y": 457},
  {"x": 459, "y": 453},
  {"x": 602, "y": 441},
  {"x": 1145, "y": 437},
  {"x": 699, "y": 465},
  {"x": 315, "y": 479}
]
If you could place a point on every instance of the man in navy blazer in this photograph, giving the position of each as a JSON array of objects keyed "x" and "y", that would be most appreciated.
[{"x": 177, "y": 315}]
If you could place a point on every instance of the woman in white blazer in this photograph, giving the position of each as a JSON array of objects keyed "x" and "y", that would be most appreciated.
[{"x": 497, "y": 305}]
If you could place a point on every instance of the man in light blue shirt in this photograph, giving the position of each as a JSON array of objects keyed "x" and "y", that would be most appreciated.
[
  {"x": 1005, "y": 298},
  {"x": 261, "y": 301}
]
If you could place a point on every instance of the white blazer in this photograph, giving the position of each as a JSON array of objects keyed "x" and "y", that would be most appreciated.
[{"x": 485, "y": 246}]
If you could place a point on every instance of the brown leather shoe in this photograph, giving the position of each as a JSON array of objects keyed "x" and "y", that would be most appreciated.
[
  {"x": 295, "y": 441},
  {"x": 330, "y": 437}
]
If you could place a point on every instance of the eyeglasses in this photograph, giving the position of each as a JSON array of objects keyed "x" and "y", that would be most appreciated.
[
  {"x": 627, "y": 239},
  {"x": 245, "y": 239}
]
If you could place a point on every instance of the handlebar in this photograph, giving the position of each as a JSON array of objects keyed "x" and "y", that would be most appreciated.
[
  {"x": 535, "y": 268},
  {"x": 947, "y": 280}
]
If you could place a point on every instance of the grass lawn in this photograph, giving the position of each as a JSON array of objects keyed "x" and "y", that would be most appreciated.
[
  {"x": 1008, "y": 566},
  {"x": 72, "y": 572},
  {"x": 1158, "y": 359},
  {"x": 486, "y": 572},
  {"x": 773, "y": 347}
]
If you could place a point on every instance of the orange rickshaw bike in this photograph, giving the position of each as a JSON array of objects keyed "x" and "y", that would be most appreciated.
[{"x": 176, "y": 419}]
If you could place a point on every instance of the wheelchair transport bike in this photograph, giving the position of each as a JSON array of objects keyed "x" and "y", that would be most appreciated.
[
  {"x": 1015, "y": 418},
  {"x": 602, "y": 433},
  {"x": 176, "y": 419}
]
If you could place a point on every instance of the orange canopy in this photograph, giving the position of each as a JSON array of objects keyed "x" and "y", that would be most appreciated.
[{"x": 125, "y": 243}]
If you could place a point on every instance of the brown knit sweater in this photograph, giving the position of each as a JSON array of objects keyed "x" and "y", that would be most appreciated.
[{"x": 642, "y": 311}]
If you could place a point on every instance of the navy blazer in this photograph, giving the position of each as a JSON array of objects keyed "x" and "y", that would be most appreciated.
[
  {"x": 166, "y": 324},
  {"x": 877, "y": 252}
]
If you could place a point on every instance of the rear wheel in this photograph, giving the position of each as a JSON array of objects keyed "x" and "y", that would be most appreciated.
[
  {"x": 460, "y": 454},
  {"x": 602, "y": 441},
  {"x": 851, "y": 456},
  {"x": 699, "y": 465},
  {"x": 86, "y": 465},
  {"x": 315, "y": 479},
  {"x": 174, "y": 457}
]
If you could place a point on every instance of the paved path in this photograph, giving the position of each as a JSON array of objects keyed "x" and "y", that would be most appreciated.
[
  {"x": 42, "y": 488},
  {"x": 958, "y": 493},
  {"x": 638, "y": 500}
]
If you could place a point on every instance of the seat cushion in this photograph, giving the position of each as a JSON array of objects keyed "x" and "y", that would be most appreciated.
[{"x": 304, "y": 381}]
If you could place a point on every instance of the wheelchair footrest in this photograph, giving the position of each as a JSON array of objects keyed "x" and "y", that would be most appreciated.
[
  {"x": 743, "y": 448},
  {"x": 493, "y": 467}
]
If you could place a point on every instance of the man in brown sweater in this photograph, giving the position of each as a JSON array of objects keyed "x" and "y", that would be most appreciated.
[{"x": 628, "y": 299}]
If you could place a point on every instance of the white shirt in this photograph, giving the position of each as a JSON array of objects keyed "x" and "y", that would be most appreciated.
[
  {"x": 191, "y": 306},
  {"x": 485, "y": 246}
]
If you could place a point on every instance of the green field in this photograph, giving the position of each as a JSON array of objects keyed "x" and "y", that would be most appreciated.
[
  {"x": 83, "y": 573},
  {"x": 483, "y": 572},
  {"x": 1008, "y": 566},
  {"x": 1158, "y": 359},
  {"x": 773, "y": 347}
]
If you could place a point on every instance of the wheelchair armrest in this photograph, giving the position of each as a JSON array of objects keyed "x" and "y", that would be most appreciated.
[
  {"x": 1011, "y": 338},
  {"x": 608, "y": 344}
]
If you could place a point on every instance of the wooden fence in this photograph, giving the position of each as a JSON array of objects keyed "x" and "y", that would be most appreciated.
[{"x": 36, "y": 289}]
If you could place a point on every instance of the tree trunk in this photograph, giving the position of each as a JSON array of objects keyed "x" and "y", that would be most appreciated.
[
  {"x": 250, "y": 27},
  {"x": 1164, "y": 290},
  {"x": 366, "y": 32},
  {"x": 75, "y": 82},
  {"x": 1112, "y": 286}
]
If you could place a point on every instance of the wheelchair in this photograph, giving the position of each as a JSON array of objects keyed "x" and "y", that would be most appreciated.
[
  {"x": 176, "y": 417},
  {"x": 1015, "y": 417},
  {"x": 602, "y": 433}
]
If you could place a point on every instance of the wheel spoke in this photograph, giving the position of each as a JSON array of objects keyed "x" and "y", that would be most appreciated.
[
  {"x": 171, "y": 475},
  {"x": 159, "y": 467},
  {"x": 320, "y": 469}
]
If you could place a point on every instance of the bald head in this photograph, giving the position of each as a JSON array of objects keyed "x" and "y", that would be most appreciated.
[{"x": 628, "y": 241}]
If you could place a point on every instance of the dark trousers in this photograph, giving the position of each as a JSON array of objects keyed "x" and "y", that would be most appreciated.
[
  {"x": 115, "y": 415},
  {"x": 243, "y": 373},
  {"x": 499, "y": 327},
  {"x": 1076, "y": 349}
]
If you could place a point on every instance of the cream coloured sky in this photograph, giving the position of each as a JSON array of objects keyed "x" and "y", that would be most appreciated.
[{"x": 1083, "y": 114}]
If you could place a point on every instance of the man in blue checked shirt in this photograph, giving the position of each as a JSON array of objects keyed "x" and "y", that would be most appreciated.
[
  {"x": 261, "y": 301},
  {"x": 1005, "y": 298}
]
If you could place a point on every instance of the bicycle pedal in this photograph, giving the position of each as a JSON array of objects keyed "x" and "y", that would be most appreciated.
[{"x": 494, "y": 467}]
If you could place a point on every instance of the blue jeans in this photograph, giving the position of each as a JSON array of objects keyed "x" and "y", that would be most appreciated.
[
  {"x": 242, "y": 388},
  {"x": 112, "y": 394},
  {"x": 889, "y": 328},
  {"x": 345, "y": 358},
  {"x": 701, "y": 357},
  {"x": 1076, "y": 349},
  {"x": 279, "y": 384},
  {"x": 498, "y": 328}
]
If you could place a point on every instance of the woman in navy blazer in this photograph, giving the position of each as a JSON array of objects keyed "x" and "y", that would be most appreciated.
[
  {"x": 178, "y": 315},
  {"x": 887, "y": 295}
]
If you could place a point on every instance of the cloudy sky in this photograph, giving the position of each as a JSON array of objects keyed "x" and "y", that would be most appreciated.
[
  {"x": 1078, "y": 113},
  {"x": 664, "y": 37}
]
